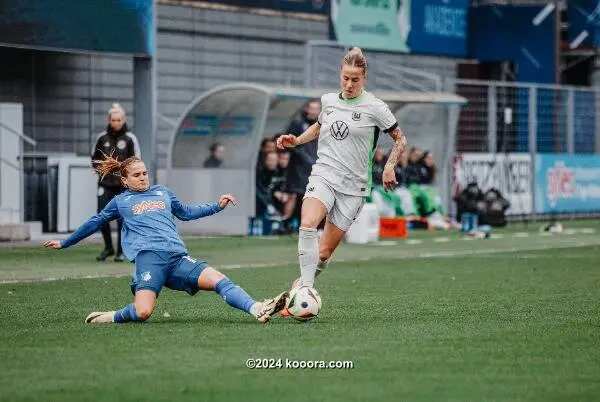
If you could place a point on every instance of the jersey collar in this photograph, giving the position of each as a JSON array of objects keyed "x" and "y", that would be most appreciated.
[{"x": 352, "y": 101}]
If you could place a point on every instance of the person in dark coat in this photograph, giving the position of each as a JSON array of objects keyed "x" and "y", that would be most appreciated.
[{"x": 120, "y": 143}]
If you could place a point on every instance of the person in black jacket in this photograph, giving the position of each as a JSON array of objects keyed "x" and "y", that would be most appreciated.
[
  {"x": 413, "y": 169},
  {"x": 427, "y": 168},
  {"x": 379, "y": 160},
  {"x": 215, "y": 159},
  {"x": 268, "y": 182},
  {"x": 302, "y": 157},
  {"x": 119, "y": 142}
]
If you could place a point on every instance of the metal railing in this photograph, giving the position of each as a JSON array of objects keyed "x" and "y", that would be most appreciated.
[{"x": 524, "y": 117}]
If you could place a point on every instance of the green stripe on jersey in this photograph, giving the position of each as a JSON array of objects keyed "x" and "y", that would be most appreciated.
[
  {"x": 355, "y": 100},
  {"x": 374, "y": 139}
]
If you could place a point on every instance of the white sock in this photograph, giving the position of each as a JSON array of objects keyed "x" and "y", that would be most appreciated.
[
  {"x": 308, "y": 254},
  {"x": 255, "y": 309}
]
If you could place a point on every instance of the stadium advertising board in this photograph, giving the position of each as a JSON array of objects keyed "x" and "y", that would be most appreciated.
[
  {"x": 509, "y": 173},
  {"x": 567, "y": 183},
  {"x": 298, "y": 6},
  {"x": 117, "y": 26},
  {"x": 199, "y": 124},
  {"x": 424, "y": 26},
  {"x": 583, "y": 23}
]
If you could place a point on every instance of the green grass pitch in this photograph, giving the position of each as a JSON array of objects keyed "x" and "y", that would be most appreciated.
[{"x": 513, "y": 318}]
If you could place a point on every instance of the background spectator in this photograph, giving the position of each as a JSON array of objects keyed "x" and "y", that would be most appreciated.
[
  {"x": 267, "y": 145},
  {"x": 400, "y": 170},
  {"x": 379, "y": 159},
  {"x": 427, "y": 168},
  {"x": 303, "y": 156},
  {"x": 284, "y": 161},
  {"x": 119, "y": 142},
  {"x": 217, "y": 152},
  {"x": 283, "y": 195},
  {"x": 413, "y": 170},
  {"x": 268, "y": 182}
]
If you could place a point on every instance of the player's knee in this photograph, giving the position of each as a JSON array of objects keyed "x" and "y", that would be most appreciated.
[
  {"x": 143, "y": 312},
  {"x": 309, "y": 222},
  {"x": 212, "y": 274},
  {"x": 209, "y": 278}
]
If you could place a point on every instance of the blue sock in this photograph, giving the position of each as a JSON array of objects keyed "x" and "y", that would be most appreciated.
[
  {"x": 234, "y": 295},
  {"x": 126, "y": 314}
]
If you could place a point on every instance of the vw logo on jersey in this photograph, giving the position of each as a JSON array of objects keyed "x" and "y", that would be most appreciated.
[
  {"x": 121, "y": 144},
  {"x": 355, "y": 116},
  {"x": 339, "y": 130}
]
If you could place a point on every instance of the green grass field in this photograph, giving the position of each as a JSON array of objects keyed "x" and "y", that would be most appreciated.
[{"x": 513, "y": 318}]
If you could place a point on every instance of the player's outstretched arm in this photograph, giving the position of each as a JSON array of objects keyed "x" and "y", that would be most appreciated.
[
  {"x": 291, "y": 141},
  {"x": 52, "y": 244},
  {"x": 389, "y": 176},
  {"x": 90, "y": 227},
  {"x": 190, "y": 212}
]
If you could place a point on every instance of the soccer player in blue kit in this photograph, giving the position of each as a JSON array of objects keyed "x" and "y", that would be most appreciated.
[{"x": 151, "y": 241}]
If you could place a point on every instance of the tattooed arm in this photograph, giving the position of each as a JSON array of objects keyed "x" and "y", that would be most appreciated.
[{"x": 389, "y": 176}]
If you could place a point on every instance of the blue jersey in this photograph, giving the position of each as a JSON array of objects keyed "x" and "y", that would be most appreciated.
[{"x": 148, "y": 220}]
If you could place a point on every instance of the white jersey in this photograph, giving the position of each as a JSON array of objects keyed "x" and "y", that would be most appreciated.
[{"x": 349, "y": 132}]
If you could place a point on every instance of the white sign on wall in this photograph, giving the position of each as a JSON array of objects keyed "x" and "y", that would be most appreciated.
[{"x": 509, "y": 173}]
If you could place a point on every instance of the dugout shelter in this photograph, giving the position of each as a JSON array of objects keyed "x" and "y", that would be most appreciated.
[{"x": 239, "y": 116}]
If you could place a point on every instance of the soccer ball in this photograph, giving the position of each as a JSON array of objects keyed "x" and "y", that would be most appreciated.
[{"x": 304, "y": 303}]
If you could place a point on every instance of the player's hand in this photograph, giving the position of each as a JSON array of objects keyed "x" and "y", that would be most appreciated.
[
  {"x": 52, "y": 244},
  {"x": 226, "y": 199},
  {"x": 287, "y": 141},
  {"x": 389, "y": 179}
]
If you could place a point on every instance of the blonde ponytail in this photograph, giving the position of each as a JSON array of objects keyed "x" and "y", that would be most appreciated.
[
  {"x": 106, "y": 166},
  {"x": 117, "y": 108},
  {"x": 355, "y": 58}
]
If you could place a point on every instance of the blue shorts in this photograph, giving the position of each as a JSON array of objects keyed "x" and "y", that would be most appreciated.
[{"x": 155, "y": 269}]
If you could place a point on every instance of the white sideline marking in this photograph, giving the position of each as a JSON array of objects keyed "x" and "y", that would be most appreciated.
[
  {"x": 437, "y": 254},
  {"x": 587, "y": 230},
  {"x": 496, "y": 236},
  {"x": 521, "y": 234},
  {"x": 445, "y": 254},
  {"x": 255, "y": 265},
  {"x": 570, "y": 231},
  {"x": 441, "y": 240},
  {"x": 386, "y": 243},
  {"x": 414, "y": 241}
]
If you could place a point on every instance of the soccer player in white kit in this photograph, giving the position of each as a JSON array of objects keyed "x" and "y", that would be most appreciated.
[{"x": 348, "y": 128}]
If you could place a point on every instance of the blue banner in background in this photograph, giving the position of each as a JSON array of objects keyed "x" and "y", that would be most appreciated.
[
  {"x": 506, "y": 32},
  {"x": 116, "y": 26},
  {"x": 409, "y": 26},
  {"x": 583, "y": 22},
  {"x": 198, "y": 124},
  {"x": 439, "y": 27},
  {"x": 567, "y": 183}
]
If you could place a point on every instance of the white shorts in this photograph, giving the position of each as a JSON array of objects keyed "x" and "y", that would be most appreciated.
[{"x": 342, "y": 209}]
